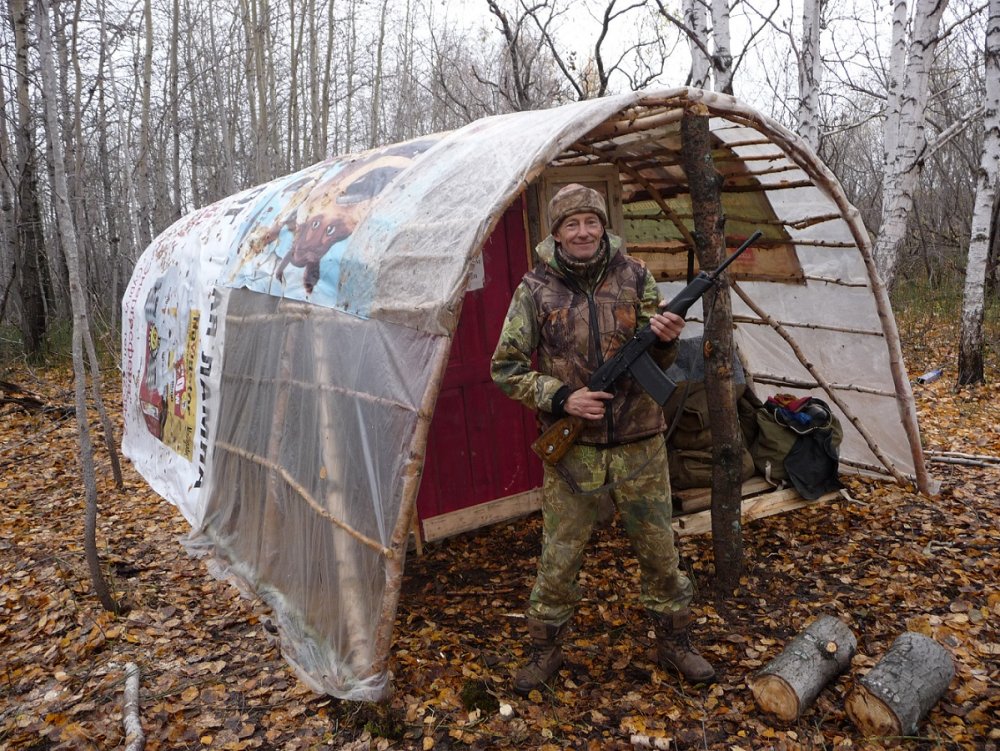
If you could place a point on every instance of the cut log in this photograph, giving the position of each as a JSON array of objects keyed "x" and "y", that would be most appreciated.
[
  {"x": 789, "y": 684},
  {"x": 893, "y": 697}
]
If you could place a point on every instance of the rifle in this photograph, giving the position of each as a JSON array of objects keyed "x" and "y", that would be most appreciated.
[{"x": 632, "y": 358}]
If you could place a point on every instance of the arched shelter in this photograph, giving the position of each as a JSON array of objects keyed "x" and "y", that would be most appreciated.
[{"x": 285, "y": 349}]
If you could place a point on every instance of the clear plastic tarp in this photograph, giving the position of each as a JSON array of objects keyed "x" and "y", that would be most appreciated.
[{"x": 283, "y": 349}]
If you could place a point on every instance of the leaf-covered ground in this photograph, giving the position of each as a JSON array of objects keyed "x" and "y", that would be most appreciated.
[{"x": 885, "y": 561}]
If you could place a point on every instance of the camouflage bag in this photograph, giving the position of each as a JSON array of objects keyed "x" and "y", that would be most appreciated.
[
  {"x": 690, "y": 442},
  {"x": 692, "y": 468}
]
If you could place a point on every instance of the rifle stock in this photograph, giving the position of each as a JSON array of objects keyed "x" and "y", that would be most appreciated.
[{"x": 552, "y": 445}]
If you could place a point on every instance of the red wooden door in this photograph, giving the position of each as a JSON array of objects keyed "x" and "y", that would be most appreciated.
[{"x": 479, "y": 445}]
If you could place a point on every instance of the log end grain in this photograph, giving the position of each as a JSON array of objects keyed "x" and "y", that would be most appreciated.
[
  {"x": 774, "y": 695},
  {"x": 870, "y": 714}
]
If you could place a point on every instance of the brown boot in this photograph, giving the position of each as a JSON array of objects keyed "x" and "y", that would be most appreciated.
[
  {"x": 544, "y": 659},
  {"x": 674, "y": 648}
]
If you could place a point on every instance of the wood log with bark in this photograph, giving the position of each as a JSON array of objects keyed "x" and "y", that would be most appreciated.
[
  {"x": 893, "y": 697},
  {"x": 789, "y": 684}
]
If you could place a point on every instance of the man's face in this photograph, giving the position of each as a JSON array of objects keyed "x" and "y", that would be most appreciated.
[{"x": 580, "y": 235}]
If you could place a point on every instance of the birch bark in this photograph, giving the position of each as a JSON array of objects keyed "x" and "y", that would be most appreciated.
[
  {"x": 905, "y": 136},
  {"x": 810, "y": 74},
  {"x": 970, "y": 353},
  {"x": 722, "y": 54},
  {"x": 695, "y": 18}
]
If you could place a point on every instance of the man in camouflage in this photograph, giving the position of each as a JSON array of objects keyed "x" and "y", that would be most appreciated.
[{"x": 575, "y": 309}]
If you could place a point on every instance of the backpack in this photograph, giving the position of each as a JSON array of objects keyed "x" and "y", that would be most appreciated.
[
  {"x": 690, "y": 444},
  {"x": 798, "y": 441}
]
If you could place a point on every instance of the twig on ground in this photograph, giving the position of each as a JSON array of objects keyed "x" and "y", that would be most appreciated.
[
  {"x": 135, "y": 739},
  {"x": 957, "y": 457}
]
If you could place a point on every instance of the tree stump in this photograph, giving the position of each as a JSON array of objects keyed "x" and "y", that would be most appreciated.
[
  {"x": 896, "y": 694},
  {"x": 788, "y": 684}
]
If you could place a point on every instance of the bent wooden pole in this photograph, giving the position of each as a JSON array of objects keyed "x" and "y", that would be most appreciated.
[
  {"x": 893, "y": 697},
  {"x": 789, "y": 684}
]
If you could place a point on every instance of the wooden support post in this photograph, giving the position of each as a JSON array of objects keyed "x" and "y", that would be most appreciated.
[
  {"x": 411, "y": 473},
  {"x": 704, "y": 181},
  {"x": 893, "y": 697},
  {"x": 789, "y": 684},
  {"x": 356, "y": 648},
  {"x": 418, "y": 540}
]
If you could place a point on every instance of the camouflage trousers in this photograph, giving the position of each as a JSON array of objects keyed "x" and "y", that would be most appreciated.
[{"x": 568, "y": 518}]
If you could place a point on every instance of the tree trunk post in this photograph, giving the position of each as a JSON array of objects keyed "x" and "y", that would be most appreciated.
[
  {"x": 893, "y": 697},
  {"x": 789, "y": 684},
  {"x": 704, "y": 183}
]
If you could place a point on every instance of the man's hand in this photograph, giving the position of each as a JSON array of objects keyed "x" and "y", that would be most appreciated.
[
  {"x": 587, "y": 404},
  {"x": 667, "y": 326}
]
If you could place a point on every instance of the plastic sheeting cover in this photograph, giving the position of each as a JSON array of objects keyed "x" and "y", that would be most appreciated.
[{"x": 280, "y": 350}]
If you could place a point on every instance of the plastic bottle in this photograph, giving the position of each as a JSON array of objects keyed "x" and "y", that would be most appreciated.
[{"x": 930, "y": 376}]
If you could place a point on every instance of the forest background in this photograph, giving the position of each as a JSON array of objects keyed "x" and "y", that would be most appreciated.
[
  {"x": 119, "y": 118},
  {"x": 164, "y": 106}
]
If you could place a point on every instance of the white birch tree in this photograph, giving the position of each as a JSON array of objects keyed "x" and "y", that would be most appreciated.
[
  {"x": 905, "y": 139},
  {"x": 694, "y": 24},
  {"x": 970, "y": 353},
  {"x": 722, "y": 54},
  {"x": 810, "y": 65},
  {"x": 713, "y": 64},
  {"x": 696, "y": 20}
]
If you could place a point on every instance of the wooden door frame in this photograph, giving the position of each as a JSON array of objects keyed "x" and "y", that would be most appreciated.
[{"x": 603, "y": 178}]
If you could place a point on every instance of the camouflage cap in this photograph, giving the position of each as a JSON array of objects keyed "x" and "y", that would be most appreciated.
[{"x": 576, "y": 199}]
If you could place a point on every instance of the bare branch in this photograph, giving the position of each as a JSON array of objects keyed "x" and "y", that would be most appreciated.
[
  {"x": 947, "y": 31},
  {"x": 685, "y": 29}
]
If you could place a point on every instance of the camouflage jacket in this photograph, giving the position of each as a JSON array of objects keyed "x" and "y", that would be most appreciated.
[{"x": 573, "y": 331}]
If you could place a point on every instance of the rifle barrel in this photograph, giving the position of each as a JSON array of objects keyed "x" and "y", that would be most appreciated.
[{"x": 746, "y": 244}]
